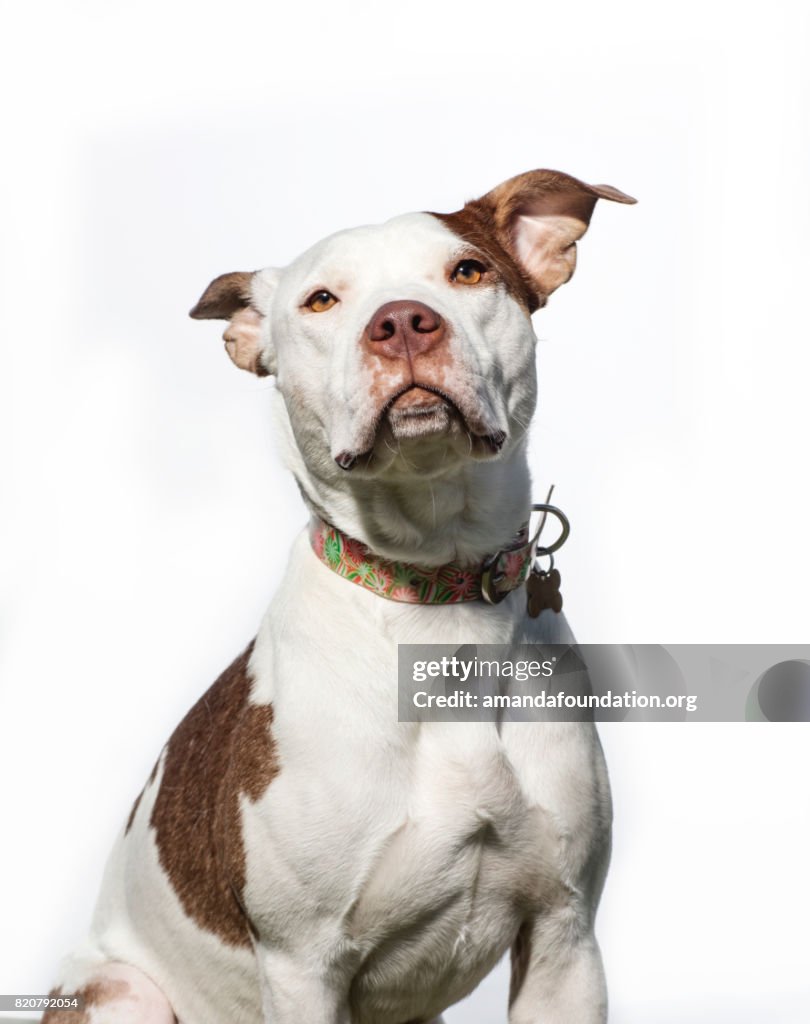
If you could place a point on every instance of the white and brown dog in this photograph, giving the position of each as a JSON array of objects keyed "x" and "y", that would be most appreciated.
[{"x": 297, "y": 853}]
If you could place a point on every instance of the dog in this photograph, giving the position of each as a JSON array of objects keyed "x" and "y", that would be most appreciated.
[{"x": 298, "y": 854}]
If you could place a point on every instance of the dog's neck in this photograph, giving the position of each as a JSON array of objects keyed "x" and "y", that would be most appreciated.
[{"x": 461, "y": 516}]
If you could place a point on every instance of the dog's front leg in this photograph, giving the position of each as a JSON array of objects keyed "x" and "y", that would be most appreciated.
[
  {"x": 298, "y": 988},
  {"x": 557, "y": 976}
]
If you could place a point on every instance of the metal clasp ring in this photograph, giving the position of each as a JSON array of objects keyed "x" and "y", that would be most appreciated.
[
  {"x": 542, "y": 553},
  {"x": 565, "y": 528},
  {"x": 490, "y": 578}
]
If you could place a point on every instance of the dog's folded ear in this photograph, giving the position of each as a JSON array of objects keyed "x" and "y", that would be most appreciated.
[
  {"x": 538, "y": 218},
  {"x": 242, "y": 298}
]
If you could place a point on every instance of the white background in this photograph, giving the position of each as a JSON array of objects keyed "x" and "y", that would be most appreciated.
[{"x": 145, "y": 516}]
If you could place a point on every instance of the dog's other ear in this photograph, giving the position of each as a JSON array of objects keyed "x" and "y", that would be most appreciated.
[
  {"x": 538, "y": 218},
  {"x": 242, "y": 298}
]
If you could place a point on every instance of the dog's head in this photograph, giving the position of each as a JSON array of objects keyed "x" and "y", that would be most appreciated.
[{"x": 407, "y": 347}]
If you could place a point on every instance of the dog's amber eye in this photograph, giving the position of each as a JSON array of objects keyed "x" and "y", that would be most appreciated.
[
  {"x": 469, "y": 272},
  {"x": 320, "y": 301}
]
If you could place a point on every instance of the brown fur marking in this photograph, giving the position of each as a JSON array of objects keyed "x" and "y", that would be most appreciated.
[
  {"x": 475, "y": 225},
  {"x": 224, "y": 296},
  {"x": 134, "y": 810},
  {"x": 389, "y": 374},
  {"x": 221, "y": 750},
  {"x": 488, "y": 223},
  {"x": 95, "y": 993}
]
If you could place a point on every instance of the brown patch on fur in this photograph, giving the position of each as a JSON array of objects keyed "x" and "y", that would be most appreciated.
[
  {"x": 224, "y": 296},
  {"x": 134, "y": 810},
  {"x": 95, "y": 993},
  {"x": 521, "y": 955},
  {"x": 390, "y": 374},
  {"x": 489, "y": 223},
  {"x": 433, "y": 376},
  {"x": 475, "y": 224},
  {"x": 221, "y": 750},
  {"x": 253, "y": 766},
  {"x": 230, "y": 297}
]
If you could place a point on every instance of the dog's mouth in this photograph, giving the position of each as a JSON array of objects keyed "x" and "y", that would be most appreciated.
[{"x": 422, "y": 411}]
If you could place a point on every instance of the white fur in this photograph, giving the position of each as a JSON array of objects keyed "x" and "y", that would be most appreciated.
[
  {"x": 389, "y": 866},
  {"x": 422, "y": 499}
]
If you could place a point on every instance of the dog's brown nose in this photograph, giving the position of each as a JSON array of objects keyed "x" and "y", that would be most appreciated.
[{"x": 404, "y": 328}]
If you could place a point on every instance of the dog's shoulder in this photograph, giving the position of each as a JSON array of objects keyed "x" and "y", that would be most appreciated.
[{"x": 221, "y": 751}]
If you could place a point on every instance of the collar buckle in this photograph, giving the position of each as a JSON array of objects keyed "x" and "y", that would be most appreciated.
[
  {"x": 491, "y": 572},
  {"x": 491, "y": 576}
]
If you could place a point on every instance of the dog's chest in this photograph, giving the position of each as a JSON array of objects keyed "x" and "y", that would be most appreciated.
[
  {"x": 414, "y": 887},
  {"x": 404, "y": 856},
  {"x": 447, "y": 889}
]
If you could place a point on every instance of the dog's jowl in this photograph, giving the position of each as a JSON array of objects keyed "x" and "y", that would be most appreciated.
[{"x": 299, "y": 855}]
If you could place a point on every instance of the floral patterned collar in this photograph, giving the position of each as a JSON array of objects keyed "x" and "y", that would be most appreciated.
[{"x": 497, "y": 577}]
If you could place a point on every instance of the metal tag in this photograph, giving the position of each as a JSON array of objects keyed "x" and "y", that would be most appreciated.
[{"x": 543, "y": 591}]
